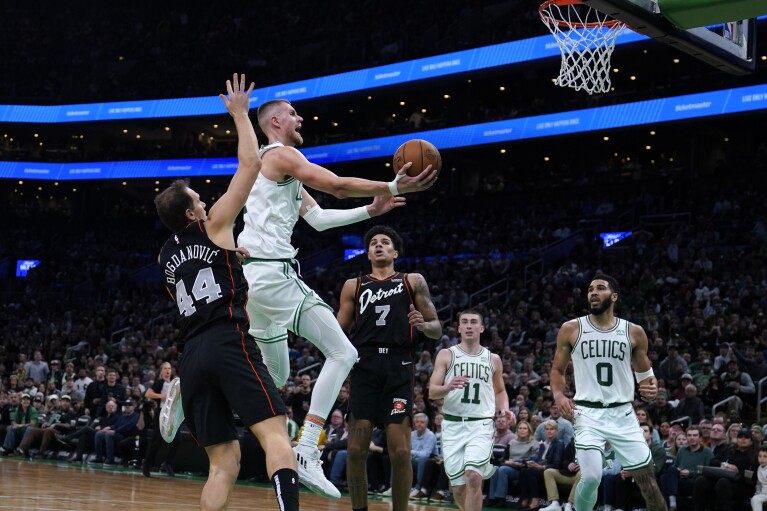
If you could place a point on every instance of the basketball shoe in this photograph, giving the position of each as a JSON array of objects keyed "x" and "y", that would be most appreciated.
[
  {"x": 310, "y": 472},
  {"x": 172, "y": 413}
]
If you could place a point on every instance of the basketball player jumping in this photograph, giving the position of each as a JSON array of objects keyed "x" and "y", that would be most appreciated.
[
  {"x": 278, "y": 299},
  {"x": 221, "y": 369},
  {"x": 470, "y": 378},
  {"x": 382, "y": 308},
  {"x": 603, "y": 349}
]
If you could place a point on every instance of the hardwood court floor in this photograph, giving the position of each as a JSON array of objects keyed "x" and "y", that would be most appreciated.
[{"x": 50, "y": 486}]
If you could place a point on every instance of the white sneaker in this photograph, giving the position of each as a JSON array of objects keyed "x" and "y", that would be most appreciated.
[
  {"x": 171, "y": 413},
  {"x": 554, "y": 506},
  {"x": 310, "y": 472},
  {"x": 387, "y": 493},
  {"x": 568, "y": 507}
]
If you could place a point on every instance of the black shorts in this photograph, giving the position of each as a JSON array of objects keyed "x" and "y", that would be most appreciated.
[
  {"x": 382, "y": 387},
  {"x": 221, "y": 371}
]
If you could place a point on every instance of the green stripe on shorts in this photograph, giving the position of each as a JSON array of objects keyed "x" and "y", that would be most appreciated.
[
  {"x": 272, "y": 340},
  {"x": 645, "y": 463}
]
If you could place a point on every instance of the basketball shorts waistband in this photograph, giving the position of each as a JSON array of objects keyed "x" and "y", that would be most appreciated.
[
  {"x": 597, "y": 404},
  {"x": 457, "y": 418}
]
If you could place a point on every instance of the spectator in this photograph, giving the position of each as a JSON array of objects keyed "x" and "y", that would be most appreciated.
[
  {"x": 422, "y": 444},
  {"x": 112, "y": 390},
  {"x": 549, "y": 455},
  {"x": 564, "y": 427},
  {"x": 57, "y": 421},
  {"x": 108, "y": 439},
  {"x": 718, "y": 442},
  {"x": 69, "y": 374},
  {"x": 37, "y": 369},
  {"x": 342, "y": 401},
  {"x": 521, "y": 450},
  {"x": 299, "y": 397},
  {"x": 567, "y": 475},
  {"x": 8, "y": 403},
  {"x": 25, "y": 417},
  {"x": 158, "y": 393},
  {"x": 673, "y": 366},
  {"x": 760, "y": 495},
  {"x": 726, "y": 492},
  {"x": 691, "y": 406},
  {"x": 702, "y": 378},
  {"x": 736, "y": 382},
  {"x": 85, "y": 434},
  {"x": 95, "y": 390},
  {"x": 81, "y": 383},
  {"x": 680, "y": 479},
  {"x": 424, "y": 363}
]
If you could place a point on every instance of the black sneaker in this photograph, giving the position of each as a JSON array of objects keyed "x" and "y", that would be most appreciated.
[
  {"x": 145, "y": 470},
  {"x": 169, "y": 470}
]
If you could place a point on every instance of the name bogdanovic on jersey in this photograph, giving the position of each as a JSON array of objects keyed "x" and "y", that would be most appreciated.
[
  {"x": 183, "y": 255},
  {"x": 477, "y": 399},
  {"x": 602, "y": 363}
]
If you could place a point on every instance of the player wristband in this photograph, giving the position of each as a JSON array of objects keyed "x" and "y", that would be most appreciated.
[
  {"x": 393, "y": 184},
  {"x": 643, "y": 376}
]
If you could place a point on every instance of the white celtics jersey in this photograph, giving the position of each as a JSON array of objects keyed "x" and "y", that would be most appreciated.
[
  {"x": 477, "y": 399},
  {"x": 602, "y": 363},
  {"x": 271, "y": 213}
]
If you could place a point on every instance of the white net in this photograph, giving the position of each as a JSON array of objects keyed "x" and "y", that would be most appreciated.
[{"x": 586, "y": 38}]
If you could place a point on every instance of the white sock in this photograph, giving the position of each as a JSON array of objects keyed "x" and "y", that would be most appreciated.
[
  {"x": 672, "y": 500},
  {"x": 310, "y": 436},
  {"x": 607, "y": 507}
]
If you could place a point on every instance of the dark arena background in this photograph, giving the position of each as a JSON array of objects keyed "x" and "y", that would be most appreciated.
[{"x": 659, "y": 182}]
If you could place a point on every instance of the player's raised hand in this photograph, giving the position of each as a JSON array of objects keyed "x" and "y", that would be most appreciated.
[
  {"x": 384, "y": 203},
  {"x": 238, "y": 100},
  {"x": 410, "y": 184}
]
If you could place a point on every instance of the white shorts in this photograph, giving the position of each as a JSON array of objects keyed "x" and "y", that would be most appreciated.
[
  {"x": 468, "y": 445},
  {"x": 276, "y": 297},
  {"x": 619, "y": 426}
]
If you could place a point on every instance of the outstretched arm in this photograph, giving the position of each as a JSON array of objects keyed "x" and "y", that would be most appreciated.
[
  {"x": 567, "y": 334},
  {"x": 648, "y": 384},
  {"x": 321, "y": 219},
  {"x": 289, "y": 161},
  {"x": 223, "y": 213}
]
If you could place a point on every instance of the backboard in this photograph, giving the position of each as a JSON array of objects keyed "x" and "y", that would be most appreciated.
[{"x": 701, "y": 28}]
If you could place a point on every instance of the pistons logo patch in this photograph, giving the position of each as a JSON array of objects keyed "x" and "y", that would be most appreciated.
[{"x": 398, "y": 406}]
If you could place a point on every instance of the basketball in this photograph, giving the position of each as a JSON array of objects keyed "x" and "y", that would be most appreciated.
[{"x": 421, "y": 152}]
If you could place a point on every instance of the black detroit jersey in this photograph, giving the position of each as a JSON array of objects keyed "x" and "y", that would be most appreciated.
[
  {"x": 206, "y": 281},
  {"x": 382, "y": 307}
]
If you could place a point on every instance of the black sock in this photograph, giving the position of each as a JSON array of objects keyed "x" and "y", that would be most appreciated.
[
  {"x": 360, "y": 508},
  {"x": 285, "y": 482}
]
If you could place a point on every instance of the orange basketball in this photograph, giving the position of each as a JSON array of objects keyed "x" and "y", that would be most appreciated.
[{"x": 421, "y": 152}]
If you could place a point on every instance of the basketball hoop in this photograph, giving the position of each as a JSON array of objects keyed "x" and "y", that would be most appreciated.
[{"x": 586, "y": 38}]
